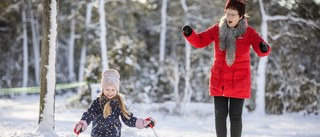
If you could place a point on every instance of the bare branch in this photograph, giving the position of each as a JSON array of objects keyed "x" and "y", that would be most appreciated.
[
  {"x": 278, "y": 17},
  {"x": 277, "y": 36}
]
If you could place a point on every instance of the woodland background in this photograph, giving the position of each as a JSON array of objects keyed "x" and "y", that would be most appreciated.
[{"x": 134, "y": 34}]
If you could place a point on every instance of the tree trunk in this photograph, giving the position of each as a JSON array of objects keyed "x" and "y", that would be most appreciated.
[
  {"x": 25, "y": 47},
  {"x": 163, "y": 30},
  {"x": 85, "y": 41},
  {"x": 176, "y": 89},
  {"x": 35, "y": 43},
  {"x": 261, "y": 76},
  {"x": 48, "y": 65},
  {"x": 103, "y": 44},
  {"x": 187, "y": 90},
  {"x": 70, "y": 55}
]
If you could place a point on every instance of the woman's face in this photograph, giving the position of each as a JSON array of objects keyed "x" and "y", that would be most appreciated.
[
  {"x": 110, "y": 92},
  {"x": 233, "y": 17}
]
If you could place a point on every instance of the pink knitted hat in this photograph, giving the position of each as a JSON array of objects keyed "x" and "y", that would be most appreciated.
[{"x": 110, "y": 77}]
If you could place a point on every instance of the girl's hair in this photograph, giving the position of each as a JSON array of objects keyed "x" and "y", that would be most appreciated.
[{"x": 107, "y": 109}]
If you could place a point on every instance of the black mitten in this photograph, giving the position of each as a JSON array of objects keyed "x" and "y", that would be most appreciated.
[
  {"x": 187, "y": 30},
  {"x": 263, "y": 47}
]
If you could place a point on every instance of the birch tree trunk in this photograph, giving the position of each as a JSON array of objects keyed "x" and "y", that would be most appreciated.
[
  {"x": 25, "y": 47},
  {"x": 48, "y": 66},
  {"x": 187, "y": 90},
  {"x": 163, "y": 30},
  {"x": 85, "y": 41},
  {"x": 71, "y": 75},
  {"x": 261, "y": 76},
  {"x": 103, "y": 44},
  {"x": 35, "y": 45},
  {"x": 176, "y": 88}
]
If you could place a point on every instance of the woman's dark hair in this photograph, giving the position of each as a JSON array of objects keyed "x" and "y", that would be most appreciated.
[{"x": 238, "y": 5}]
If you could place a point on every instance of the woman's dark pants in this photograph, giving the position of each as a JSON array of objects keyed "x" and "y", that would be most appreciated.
[{"x": 233, "y": 106}]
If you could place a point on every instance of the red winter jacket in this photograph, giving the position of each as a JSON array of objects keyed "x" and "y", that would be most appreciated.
[{"x": 233, "y": 81}]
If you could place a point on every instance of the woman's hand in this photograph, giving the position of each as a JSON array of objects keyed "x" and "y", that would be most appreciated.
[
  {"x": 263, "y": 47},
  {"x": 187, "y": 30}
]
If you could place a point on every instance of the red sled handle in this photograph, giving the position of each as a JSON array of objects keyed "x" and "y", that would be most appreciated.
[{"x": 151, "y": 124}]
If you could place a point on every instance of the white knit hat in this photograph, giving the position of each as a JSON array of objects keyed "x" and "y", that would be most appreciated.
[{"x": 110, "y": 77}]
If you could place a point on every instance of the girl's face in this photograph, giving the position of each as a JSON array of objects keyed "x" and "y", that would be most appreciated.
[
  {"x": 233, "y": 17},
  {"x": 110, "y": 92}
]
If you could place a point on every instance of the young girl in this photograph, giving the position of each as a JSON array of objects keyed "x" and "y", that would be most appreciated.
[
  {"x": 105, "y": 110},
  {"x": 230, "y": 80}
]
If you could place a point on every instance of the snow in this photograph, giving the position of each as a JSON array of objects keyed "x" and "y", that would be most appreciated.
[
  {"x": 46, "y": 124},
  {"x": 261, "y": 76},
  {"x": 187, "y": 90},
  {"x": 163, "y": 30},
  {"x": 103, "y": 35},
  {"x": 19, "y": 117}
]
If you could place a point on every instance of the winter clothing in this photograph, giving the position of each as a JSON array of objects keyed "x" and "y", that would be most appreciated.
[
  {"x": 230, "y": 80},
  {"x": 104, "y": 112},
  {"x": 235, "y": 112},
  {"x": 81, "y": 126},
  {"x": 187, "y": 30},
  {"x": 263, "y": 47},
  {"x": 152, "y": 122},
  {"x": 230, "y": 74},
  {"x": 142, "y": 123},
  {"x": 238, "y": 5},
  {"x": 110, "y": 126},
  {"x": 228, "y": 36},
  {"x": 110, "y": 77}
]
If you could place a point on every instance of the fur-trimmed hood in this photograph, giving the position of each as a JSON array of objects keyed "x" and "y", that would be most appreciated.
[{"x": 228, "y": 36}]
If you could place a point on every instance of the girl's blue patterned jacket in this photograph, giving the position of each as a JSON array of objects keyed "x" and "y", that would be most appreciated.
[{"x": 110, "y": 126}]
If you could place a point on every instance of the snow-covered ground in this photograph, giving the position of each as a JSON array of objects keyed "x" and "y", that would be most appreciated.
[{"x": 19, "y": 117}]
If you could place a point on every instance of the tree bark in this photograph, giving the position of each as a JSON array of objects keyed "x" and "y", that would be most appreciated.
[
  {"x": 35, "y": 43},
  {"x": 25, "y": 47},
  {"x": 187, "y": 89},
  {"x": 71, "y": 50},
  {"x": 163, "y": 30},
  {"x": 48, "y": 65},
  {"x": 103, "y": 36},
  {"x": 85, "y": 42}
]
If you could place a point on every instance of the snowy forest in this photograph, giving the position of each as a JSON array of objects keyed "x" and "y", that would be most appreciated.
[{"x": 143, "y": 40}]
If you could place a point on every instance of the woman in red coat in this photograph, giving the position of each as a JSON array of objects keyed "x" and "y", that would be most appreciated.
[{"x": 230, "y": 80}]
